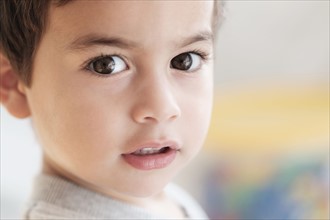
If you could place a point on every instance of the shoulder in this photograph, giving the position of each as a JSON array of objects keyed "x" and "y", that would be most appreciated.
[
  {"x": 56, "y": 198},
  {"x": 42, "y": 210},
  {"x": 191, "y": 206}
]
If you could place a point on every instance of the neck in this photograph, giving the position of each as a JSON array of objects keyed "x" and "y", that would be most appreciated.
[{"x": 158, "y": 203}]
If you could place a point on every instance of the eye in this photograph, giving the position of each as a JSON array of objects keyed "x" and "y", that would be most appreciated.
[
  {"x": 186, "y": 62},
  {"x": 107, "y": 65}
]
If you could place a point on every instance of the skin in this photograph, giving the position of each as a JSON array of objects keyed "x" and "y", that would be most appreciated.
[{"x": 85, "y": 122}]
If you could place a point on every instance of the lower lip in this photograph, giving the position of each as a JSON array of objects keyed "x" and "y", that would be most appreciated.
[{"x": 150, "y": 162}]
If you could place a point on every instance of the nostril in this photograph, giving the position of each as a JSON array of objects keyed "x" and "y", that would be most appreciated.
[
  {"x": 173, "y": 117},
  {"x": 164, "y": 116},
  {"x": 156, "y": 110},
  {"x": 149, "y": 119}
]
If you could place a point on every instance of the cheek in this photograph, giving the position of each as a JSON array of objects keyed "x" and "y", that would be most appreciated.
[
  {"x": 201, "y": 99},
  {"x": 198, "y": 118},
  {"x": 73, "y": 124},
  {"x": 86, "y": 121},
  {"x": 196, "y": 115}
]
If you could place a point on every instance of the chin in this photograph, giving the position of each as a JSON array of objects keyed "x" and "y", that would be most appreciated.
[{"x": 147, "y": 190}]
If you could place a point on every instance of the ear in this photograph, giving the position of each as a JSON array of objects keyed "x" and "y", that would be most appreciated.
[{"x": 12, "y": 94}]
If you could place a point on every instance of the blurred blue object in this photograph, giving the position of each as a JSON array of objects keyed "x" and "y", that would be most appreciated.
[{"x": 286, "y": 189}]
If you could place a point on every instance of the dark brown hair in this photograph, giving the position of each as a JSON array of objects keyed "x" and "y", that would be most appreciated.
[{"x": 23, "y": 23}]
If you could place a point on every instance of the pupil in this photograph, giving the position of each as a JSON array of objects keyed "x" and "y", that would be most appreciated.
[
  {"x": 182, "y": 61},
  {"x": 104, "y": 65}
]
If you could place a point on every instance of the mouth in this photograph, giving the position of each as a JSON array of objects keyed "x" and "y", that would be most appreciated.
[
  {"x": 152, "y": 156},
  {"x": 150, "y": 151}
]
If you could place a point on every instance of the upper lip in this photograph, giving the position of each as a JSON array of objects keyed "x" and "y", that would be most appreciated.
[{"x": 156, "y": 144}]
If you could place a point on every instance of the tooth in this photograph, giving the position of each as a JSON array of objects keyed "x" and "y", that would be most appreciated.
[{"x": 147, "y": 151}]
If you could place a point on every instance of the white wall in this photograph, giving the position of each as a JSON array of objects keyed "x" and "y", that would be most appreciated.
[
  {"x": 20, "y": 159},
  {"x": 274, "y": 40}
]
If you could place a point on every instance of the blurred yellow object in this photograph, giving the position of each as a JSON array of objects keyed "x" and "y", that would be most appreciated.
[{"x": 270, "y": 118}]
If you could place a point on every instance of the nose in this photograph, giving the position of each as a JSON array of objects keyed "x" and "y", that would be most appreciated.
[{"x": 156, "y": 102}]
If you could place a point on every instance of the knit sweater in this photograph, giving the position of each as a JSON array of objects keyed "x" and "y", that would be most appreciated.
[{"x": 56, "y": 198}]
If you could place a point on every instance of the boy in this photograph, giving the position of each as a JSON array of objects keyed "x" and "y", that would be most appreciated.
[{"x": 120, "y": 96}]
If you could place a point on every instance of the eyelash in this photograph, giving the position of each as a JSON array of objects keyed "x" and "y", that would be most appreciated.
[
  {"x": 205, "y": 56},
  {"x": 85, "y": 66}
]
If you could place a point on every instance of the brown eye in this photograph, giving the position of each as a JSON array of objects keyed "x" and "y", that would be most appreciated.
[
  {"x": 107, "y": 65},
  {"x": 186, "y": 62}
]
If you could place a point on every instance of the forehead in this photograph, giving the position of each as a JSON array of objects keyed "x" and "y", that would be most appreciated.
[{"x": 146, "y": 22}]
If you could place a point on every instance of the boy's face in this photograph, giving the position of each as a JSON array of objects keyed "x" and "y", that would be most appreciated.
[{"x": 108, "y": 81}]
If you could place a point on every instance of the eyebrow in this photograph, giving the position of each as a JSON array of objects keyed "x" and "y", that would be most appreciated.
[
  {"x": 92, "y": 40},
  {"x": 200, "y": 37}
]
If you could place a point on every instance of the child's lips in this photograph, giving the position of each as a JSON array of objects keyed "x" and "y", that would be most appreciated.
[{"x": 152, "y": 155}]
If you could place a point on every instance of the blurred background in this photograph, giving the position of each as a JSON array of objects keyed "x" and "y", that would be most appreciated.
[{"x": 267, "y": 153}]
